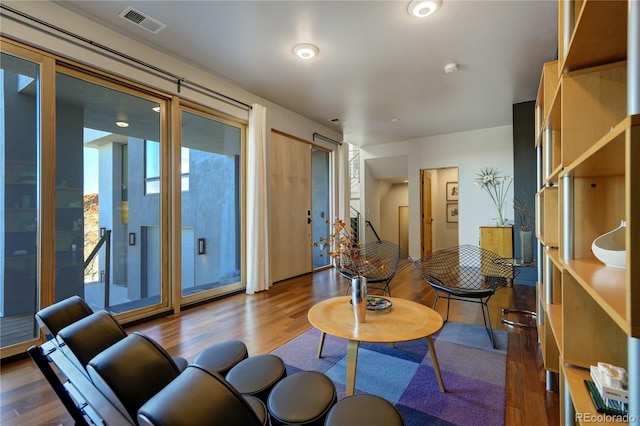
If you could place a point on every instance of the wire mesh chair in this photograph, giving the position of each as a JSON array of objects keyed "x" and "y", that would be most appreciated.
[
  {"x": 467, "y": 273},
  {"x": 378, "y": 261}
]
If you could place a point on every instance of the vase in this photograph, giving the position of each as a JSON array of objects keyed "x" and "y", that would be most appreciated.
[
  {"x": 610, "y": 249},
  {"x": 500, "y": 217},
  {"x": 526, "y": 246},
  {"x": 359, "y": 298}
]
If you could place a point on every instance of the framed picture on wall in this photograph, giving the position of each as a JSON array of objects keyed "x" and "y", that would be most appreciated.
[
  {"x": 452, "y": 213},
  {"x": 452, "y": 191}
]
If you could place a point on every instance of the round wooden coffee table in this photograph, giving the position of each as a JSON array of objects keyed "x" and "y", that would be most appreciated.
[{"x": 404, "y": 321}]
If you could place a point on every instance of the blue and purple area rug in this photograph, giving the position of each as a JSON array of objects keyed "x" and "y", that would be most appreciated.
[{"x": 473, "y": 373}]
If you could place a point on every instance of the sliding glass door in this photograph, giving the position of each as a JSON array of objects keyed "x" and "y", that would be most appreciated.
[
  {"x": 108, "y": 192},
  {"x": 210, "y": 170},
  {"x": 101, "y": 200},
  {"x": 19, "y": 147}
]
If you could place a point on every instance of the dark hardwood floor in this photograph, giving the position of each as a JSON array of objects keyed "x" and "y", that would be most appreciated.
[{"x": 266, "y": 320}]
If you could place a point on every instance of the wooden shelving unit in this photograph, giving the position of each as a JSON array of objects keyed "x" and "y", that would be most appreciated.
[{"x": 589, "y": 153}]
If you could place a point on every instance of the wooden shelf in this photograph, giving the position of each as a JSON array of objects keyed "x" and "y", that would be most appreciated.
[
  {"x": 603, "y": 158},
  {"x": 600, "y": 35},
  {"x": 548, "y": 224},
  {"x": 581, "y": 398},
  {"x": 554, "y": 313},
  {"x": 607, "y": 286}
]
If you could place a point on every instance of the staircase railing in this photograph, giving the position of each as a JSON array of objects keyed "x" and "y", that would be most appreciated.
[{"x": 104, "y": 240}]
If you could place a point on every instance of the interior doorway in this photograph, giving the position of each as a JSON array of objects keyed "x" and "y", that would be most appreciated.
[
  {"x": 439, "y": 209},
  {"x": 403, "y": 228}
]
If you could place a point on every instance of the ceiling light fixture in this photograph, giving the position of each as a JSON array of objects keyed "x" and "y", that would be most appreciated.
[
  {"x": 305, "y": 50},
  {"x": 122, "y": 124},
  {"x": 423, "y": 8}
]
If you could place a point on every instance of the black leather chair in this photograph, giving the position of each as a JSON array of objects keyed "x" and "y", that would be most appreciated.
[
  {"x": 54, "y": 318},
  {"x": 201, "y": 397},
  {"x": 132, "y": 371}
]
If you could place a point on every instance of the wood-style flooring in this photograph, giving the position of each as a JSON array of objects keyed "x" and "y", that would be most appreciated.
[{"x": 266, "y": 320}]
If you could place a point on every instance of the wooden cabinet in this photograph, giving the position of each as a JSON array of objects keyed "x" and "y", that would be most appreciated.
[
  {"x": 589, "y": 156},
  {"x": 498, "y": 239}
]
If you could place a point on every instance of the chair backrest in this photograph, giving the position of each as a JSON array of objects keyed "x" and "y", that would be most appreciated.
[
  {"x": 376, "y": 260},
  {"x": 132, "y": 371},
  {"x": 87, "y": 337},
  {"x": 198, "y": 397},
  {"x": 467, "y": 267},
  {"x": 54, "y": 318}
]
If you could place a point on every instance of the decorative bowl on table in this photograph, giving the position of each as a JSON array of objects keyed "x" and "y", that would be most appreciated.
[{"x": 377, "y": 303}]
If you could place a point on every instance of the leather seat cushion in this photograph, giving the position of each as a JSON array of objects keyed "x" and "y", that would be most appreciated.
[
  {"x": 364, "y": 409},
  {"x": 132, "y": 371},
  {"x": 199, "y": 397},
  {"x": 59, "y": 315},
  {"x": 303, "y": 397},
  {"x": 222, "y": 357},
  {"x": 91, "y": 335},
  {"x": 257, "y": 375}
]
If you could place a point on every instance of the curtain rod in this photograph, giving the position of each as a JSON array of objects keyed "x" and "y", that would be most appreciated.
[
  {"x": 180, "y": 81},
  {"x": 316, "y": 134}
]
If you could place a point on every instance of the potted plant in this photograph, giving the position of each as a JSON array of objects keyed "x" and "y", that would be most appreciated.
[
  {"x": 497, "y": 186},
  {"x": 525, "y": 224}
]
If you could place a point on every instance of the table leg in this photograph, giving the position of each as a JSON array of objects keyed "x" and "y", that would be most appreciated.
[
  {"x": 436, "y": 366},
  {"x": 352, "y": 362},
  {"x": 321, "y": 344}
]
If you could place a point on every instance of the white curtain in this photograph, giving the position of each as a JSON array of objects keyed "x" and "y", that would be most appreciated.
[
  {"x": 257, "y": 214},
  {"x": 344, "y": 182}
]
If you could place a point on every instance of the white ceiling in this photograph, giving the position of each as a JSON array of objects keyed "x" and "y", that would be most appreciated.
[{"x": 376, "y": 63}]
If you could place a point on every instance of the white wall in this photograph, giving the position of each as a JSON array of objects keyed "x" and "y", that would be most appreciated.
[
  {"x": 468, "y": 151},
  {"x": 396, "y": 195}
]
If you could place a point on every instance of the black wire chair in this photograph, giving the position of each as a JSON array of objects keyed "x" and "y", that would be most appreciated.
[
  {"x": 378, "y": 261},
  {"x": 467, "y": 273}
]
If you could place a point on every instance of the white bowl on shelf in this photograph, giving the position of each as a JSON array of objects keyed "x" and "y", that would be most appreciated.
[{"x": 610, "y": 249}]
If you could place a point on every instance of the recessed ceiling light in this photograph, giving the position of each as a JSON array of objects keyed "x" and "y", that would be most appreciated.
[
  {"x": 395, "y": 120},
  {"x": 122, "y": 124},
  {"x": 423, "y": 8},
  {"x": 305, "y": 50}
]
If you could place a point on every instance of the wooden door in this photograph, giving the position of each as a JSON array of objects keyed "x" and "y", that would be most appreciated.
[
  {"x": 403, "y": 228},
  {"x": 426, "y": 236},
  {"x": 291, "y": 251}
]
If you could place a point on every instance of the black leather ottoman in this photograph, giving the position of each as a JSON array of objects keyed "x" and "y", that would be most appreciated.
[
  {"x": 364, "y": 410},
  {"x": 257, "y": 375},
  {"x": 222, "y": 357},
  {"x": 303, "y": 398}
]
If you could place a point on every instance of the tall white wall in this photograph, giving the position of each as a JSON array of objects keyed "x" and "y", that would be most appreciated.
[
  {"x": 397, "y": 195},
  {"x": 468, "y": 151}
]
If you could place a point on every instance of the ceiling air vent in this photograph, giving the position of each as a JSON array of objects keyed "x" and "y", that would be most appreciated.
[{"x": 142, "y": 20}]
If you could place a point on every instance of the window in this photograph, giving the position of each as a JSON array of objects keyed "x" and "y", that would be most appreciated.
[{"x": 152, "y": 168}]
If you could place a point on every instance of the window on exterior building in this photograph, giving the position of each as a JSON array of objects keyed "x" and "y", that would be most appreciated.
[{"x": 152, "y": 168}]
